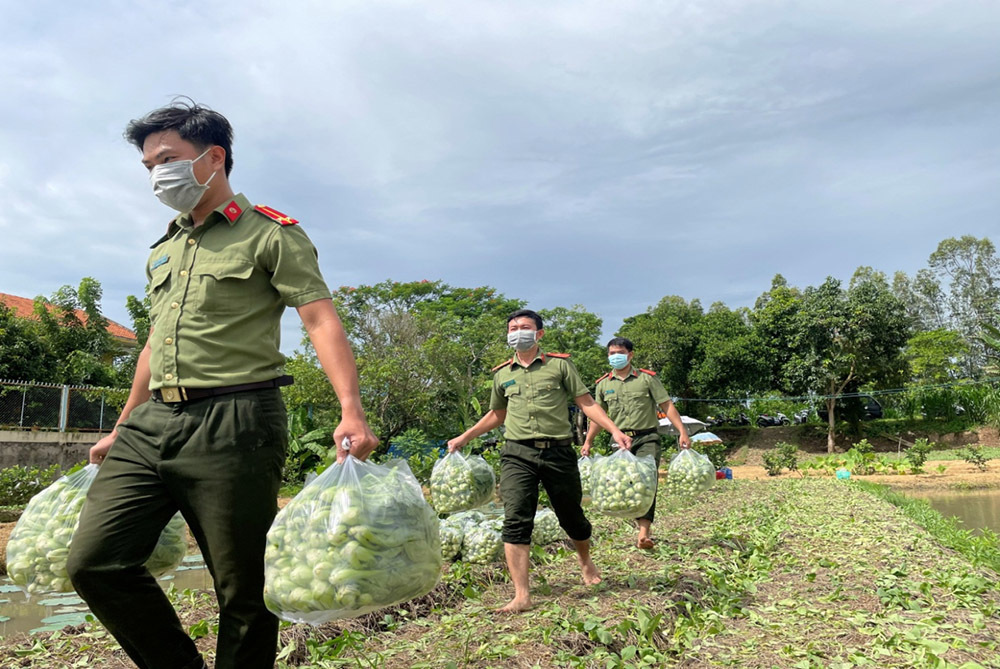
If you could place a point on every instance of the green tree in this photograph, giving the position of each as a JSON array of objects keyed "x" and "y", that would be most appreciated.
[
  {"x": 848, "y": 337},
  {"x": 666, "y": 341},
  {"x": 935, "y": 355},
  {"x": 775, "y": 321},
  {"x": 576, "y": 331},
  {"x": 731, "y": 360},
  {"x": 23, "y": 355}
]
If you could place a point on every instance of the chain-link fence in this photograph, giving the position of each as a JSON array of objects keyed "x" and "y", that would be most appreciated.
[{"x": 41, "y": 406}]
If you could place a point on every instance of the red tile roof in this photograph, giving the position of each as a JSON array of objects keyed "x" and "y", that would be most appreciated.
[{"x": 25, "y": 308}]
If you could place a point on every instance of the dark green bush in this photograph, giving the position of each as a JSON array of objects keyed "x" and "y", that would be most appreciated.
[
  {"x": 19, "y": 484},
  {"x": 973, "y": 454},
  {"x": 916, "y": 455}
]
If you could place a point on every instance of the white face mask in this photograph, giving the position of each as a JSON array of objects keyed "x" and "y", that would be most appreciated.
[
  {"x": 521, "y": 340},
  {"x": 176, "y": 186}
]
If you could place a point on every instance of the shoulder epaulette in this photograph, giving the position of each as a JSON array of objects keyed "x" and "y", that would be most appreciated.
[
  {"x": 275, "y": 215},
  {"x": 603, "y": 377},
  {"x": 558, "y": 355},
  {"x": 502, "y": 365},
  {"x": 648, "y": 371}
]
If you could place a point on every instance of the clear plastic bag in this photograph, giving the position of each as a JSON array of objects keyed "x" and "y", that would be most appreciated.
[
  {"x": 623, "y": 485},
  {"x": 452, "y": 534},
  {"x": 459, "y": 483},
  {"x": 547, "y": 529},
  {"x": 358, "y": 538},
  {"x": 483, "y": 543},
  {"x": 39, "y": 545},
  {"x": 690, "y": 473},
  {"x": 586, "y": 466}
]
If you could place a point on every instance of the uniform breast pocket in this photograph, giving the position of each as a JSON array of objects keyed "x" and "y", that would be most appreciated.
[
  {"x": 223, "y": 288},
  {"x": 513, "y": 394},
  {"x": 159, "y": 290}
]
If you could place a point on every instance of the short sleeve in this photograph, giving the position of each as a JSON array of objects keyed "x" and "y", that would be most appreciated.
[
  {"x": 294, "y": 266},
  {"x": 572, "y": 381},
  {"x": 659, "y": 393},
  {"x": 498, "y": 401}
]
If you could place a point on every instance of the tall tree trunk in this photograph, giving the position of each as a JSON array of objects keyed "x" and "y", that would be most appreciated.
[{"x": 831, "y": 420}]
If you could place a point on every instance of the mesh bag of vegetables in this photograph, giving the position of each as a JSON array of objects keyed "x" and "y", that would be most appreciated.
[
  {"x": 452, "y": 534},
  {"x": 690, "y": 473},
  {"x": 459, "y": 483},
  {"x": 483, "y": 543},
  {"x": 623, "y": 485},
  {"x": 547, "y": 529},
  {"x": 356, "y": 539},
  {"x": 39, "y": 545}
]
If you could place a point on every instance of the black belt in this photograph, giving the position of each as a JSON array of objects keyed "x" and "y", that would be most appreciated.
[
  {"x": 174, "y": 395},
  {"x": 542, "y": 443},
  {"x": 639, "y": 433}
]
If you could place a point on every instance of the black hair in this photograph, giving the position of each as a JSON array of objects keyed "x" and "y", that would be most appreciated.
[
  {"x": 526, "y": 313},
  {"x": 621, "y": 341},
  {"x": 195, "y": 123}
]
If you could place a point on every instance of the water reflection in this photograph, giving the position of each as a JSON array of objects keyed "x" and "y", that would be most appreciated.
[
  {"x": 50, "y": 612},
  {"x": 977, "y": 509}
]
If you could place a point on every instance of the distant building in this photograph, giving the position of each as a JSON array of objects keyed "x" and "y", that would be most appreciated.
[{"x": 22, "y": 307}]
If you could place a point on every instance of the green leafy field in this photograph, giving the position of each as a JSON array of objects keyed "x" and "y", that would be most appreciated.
[{"x": 778, "y": 573}]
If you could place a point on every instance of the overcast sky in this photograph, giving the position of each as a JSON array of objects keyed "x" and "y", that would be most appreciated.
[{"x": 596, "y": 153}]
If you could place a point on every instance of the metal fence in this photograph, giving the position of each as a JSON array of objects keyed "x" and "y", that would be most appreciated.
[{"x": 42, "y": 406}]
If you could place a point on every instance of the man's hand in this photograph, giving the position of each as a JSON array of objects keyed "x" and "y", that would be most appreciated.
[
  {"x": 685, "y": 440},
  {"x": 585, "y": 449},
  {"x": 99, "y": 451},
  {"x": 622, "y": 439},
  {"x": 360, "y": 437},
  {"x": 457, "y": 443}
]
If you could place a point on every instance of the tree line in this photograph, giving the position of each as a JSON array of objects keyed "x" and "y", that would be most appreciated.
[{"x": 425, "y": 349}]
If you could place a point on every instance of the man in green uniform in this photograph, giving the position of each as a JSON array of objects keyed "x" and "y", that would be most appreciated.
[
  {"x": 203, "y": 430},
  {"x": 633, "y": 398},
  {"x": 531, "y": 395}
]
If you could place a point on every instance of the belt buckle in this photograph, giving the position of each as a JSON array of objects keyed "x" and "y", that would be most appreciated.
[
  {"x": 173, "y": 394},
  {"x": 543, "y": 443}
]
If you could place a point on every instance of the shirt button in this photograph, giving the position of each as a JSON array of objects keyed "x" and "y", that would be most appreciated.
[
  {"x": 168, "y": 340},
  {"x": 168, "y": 376},
  {"x": 174, "y": 305},
  {"x": 184, "y": 272},
  {"x": 190, "y": 242}
]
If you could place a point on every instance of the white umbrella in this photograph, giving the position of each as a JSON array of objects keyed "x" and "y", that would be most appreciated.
[{"x": 692, "y": 425}]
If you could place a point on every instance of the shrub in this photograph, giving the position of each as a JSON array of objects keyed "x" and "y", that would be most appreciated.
[
  {"x": 861, "y": 457},
  {"x": 916, "y": 455},
  {"x": 19, "y": 484},
  {"x": 973, "y": 454},
  {"x": 782, "y": 456}
]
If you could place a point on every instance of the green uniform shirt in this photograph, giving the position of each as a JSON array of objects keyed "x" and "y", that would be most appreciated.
[
  {"x": 217, "y": 293},
  {"x": 536, "y": 397},
  {"x": 632, "y": 403}
]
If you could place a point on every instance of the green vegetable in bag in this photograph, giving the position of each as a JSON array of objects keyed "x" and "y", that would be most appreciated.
[
  {"x": 547, "y": 529},
  {"x": 358, "y": 538},
  {"x": 483, "y": 543},
  {"x": 623, "y": 485},
  {"x": 452, "y": 534},
  {"x": 459, "y": 483},
  {"x": 690, "y": 473}
]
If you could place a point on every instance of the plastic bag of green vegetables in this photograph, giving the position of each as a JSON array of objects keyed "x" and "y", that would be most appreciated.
[
  {"x": 358, "y": 538},
  {"x": 483, "y": 543},
  {"x": 586, "y": 466},
  {"x": 39, "y": 545},
  {"x": 690, "y": 473},
  {"x": 547, "y": 529},
  {"x": 459, "y": 483},
  {"x": 452, "y": 534},
  {"x": 623, "y": 485}
]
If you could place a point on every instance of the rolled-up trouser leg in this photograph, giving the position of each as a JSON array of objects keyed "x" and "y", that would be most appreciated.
[
  {"x": 643, "y": 446},
  {"x": 519, "y": 491},
  {"x": 560, "y": 474}
]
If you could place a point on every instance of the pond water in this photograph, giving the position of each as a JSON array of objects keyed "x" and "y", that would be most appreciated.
[
  {"x": 45, "y": 613},
  {"x": 977, "y": 509}
]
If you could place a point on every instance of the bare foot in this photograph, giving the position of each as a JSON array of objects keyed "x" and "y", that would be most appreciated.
[
  {"x": 590, "y": 574},
  {"x": 645, "y": 543},
  {"x": 516, "y": 605}
]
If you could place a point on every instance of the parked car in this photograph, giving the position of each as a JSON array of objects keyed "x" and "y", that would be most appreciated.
[{"x": 863, "y": 407}]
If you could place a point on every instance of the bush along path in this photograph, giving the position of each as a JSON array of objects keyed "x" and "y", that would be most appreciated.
[{"x": 777, "y": 573}]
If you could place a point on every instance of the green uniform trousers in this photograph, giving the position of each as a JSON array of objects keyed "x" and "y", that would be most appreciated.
[
  {"x": 522, "y": 468},
  {"x": 648, "y": 444},
  {"x": 218, "y": 461}
]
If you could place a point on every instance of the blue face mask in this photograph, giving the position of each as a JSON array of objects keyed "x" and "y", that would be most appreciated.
[{"x": 618, "y": 360}]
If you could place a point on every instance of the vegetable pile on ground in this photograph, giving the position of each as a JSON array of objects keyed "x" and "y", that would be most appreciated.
[
  {"x": 547, "y": 529},
  {"x": 690, "y": 473},
  {"x": 39, "y": 545},
  {"x": 623, "y": 485},
  {"x": 459, "y": 483},
  {"x": 483, "y": 542},
  {"x": 357, "y": 538}
]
